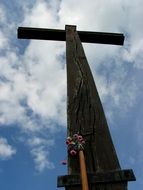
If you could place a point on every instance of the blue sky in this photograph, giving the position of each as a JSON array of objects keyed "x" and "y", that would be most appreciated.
[{"x": 33, "y": 87}]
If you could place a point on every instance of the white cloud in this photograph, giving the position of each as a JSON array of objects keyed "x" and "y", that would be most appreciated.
[
  {"x": 36, "y": 82},
  {"x": 47, "y": 96},
  {"x": 3, "y": 41},
  {"x": 6, "y": 150},
  {"x": 134, "y": 54},
  {"x": 37, "y": 141},
  {"x": 40, "y": 15},
  {"x": 41, "y": 161},
  {"x": 40, "y": 153},
  {"x": 99, "y": 16},
  {"x": 2, "y": 14}
]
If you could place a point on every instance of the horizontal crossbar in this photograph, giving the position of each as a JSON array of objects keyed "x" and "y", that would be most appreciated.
[
  {"x": 117, "y": 176},
  {"x": 60, "y": 35}
]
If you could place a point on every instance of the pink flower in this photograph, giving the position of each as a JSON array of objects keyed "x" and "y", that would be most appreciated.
[
  {"x": 80, "y": 138},
  {"x": 83, "y": 142},
  {"x": 73, "y": 152},
  {"x": 75, "y": 136}
]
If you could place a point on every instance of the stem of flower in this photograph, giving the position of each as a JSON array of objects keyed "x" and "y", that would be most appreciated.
[{"x": 83, "y": 171}]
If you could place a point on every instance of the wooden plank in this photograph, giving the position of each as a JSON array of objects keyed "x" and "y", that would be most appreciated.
[
  {"x": 86, "y": 115},
  {"x": 60, "y": 35},
  {"x": 98, "y": 178}
]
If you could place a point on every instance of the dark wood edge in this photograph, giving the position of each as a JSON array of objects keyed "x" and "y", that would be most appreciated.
[
  {"x": 60, "y": 35},
  {"x": 115, "y": 176}
]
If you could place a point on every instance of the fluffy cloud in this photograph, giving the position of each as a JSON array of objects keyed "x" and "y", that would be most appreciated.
[
  {"x": 40, "y": 153},
  {"x": 2, "y": 14},
  {"x": 134, "y": 54},
  {"x": 41, "y": 14},
  {"x": 41, "y": 161},
  {"x": 6, "y": 150},
  {"x": 3, "y": 41}
]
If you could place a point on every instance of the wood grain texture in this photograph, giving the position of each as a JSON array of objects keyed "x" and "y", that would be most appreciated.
[
  {"x": 113, "y": 176},
  {"x": 86, "y": 115}
]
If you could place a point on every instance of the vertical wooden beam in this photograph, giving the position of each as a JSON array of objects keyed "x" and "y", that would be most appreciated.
[{"x": 86, "y": 115}]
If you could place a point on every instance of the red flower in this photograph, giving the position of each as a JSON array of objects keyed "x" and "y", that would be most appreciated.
[
  {"x": 80, "y": 138},
  {"x": 75, "y": 136},
  {"x": 73, "y": 152}
]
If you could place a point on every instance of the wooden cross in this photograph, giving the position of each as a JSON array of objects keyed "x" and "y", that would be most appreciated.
[{"x": 85, "y": 111}]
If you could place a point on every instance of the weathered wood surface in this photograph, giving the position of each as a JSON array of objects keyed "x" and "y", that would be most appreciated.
[
  {"x": 115, "y": 176},
  {"x": 86, "y": 115}
]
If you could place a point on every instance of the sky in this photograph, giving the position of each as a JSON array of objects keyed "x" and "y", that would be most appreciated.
[{"x": 33, "y": 87}]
